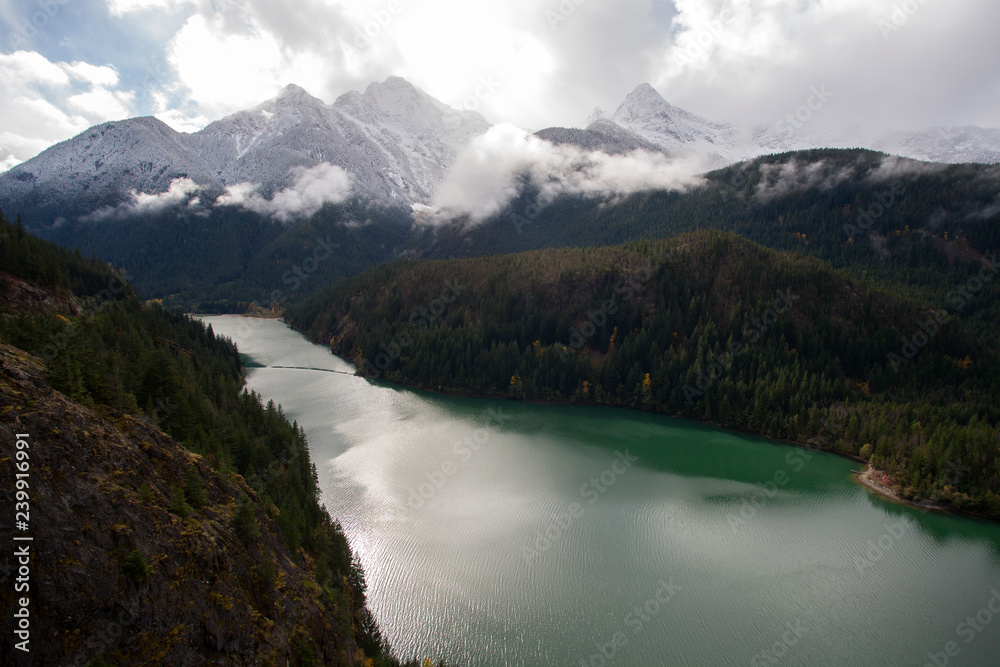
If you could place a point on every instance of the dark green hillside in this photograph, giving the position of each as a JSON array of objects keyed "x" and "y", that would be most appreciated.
[
  {"x": 708, "y": 326},
  {"x": 226, "y": 258},
  {"x": 825, "y": 203}
]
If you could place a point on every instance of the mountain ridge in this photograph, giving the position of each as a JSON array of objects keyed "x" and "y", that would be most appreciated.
[{"x": 393, "y": 142}]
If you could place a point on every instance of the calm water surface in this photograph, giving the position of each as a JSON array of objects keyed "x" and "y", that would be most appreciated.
[{"x": 497, "y": 533}]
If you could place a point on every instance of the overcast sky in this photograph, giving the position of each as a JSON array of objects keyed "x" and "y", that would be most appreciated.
[{"x": 68, "y": 64}]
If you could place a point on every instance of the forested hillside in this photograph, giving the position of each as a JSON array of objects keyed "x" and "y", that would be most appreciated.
[
  {"x": 226, "y": 258},
  {"x": 895, "y": 223},
  {"x": 181, "y": 484},
  {"x": 707, "y": 326}
]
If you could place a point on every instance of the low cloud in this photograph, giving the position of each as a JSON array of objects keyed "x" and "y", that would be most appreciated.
[
  {"x": 8, "y": 163},
  {"x": 181, "y": 191},
  {"x": 986, "y": 212},
  {"x": 312, "y": 188},
  {"x": 778, "y": 180},
  {"x": 494, "y": 168},
  {"x": 893, "y": 167}
]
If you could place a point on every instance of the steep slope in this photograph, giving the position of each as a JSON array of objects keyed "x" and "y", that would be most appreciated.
[
  {"x": 419, "y": 136},
  {"x": 675, "y": 130},
  {"x": 116, "y": 576},
  {"x": 99, "y": 168},
  {"x": 394, "y": 139},
  {"x": 145, "y": 551},
  {"x": 705, "y": 326}
]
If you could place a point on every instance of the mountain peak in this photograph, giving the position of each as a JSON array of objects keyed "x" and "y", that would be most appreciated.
[
  {"x": 595, "y": 115},
  {"x": 295, "y": 93},
  {"x": 647, "y": 96}
]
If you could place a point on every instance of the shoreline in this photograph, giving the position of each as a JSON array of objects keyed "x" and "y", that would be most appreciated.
[{"x": 863, "y": 478}]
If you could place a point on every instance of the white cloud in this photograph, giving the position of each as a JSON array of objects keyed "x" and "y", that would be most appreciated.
[
  {"x": 46, "y": 102},
  {"x": 892, "y": 167},
  {"x": 103, "y": 103},
  {"x": 488, "y": 173},
  {"x": 781, "y": 179},
  {"x": 225, "y": 72},
  {"x": 181, "y": 191},
  {"x": 8, "y": 162},
  {"x": 92, "y": 74},
  {"x": 123, "y": 7},
  {"x": 311, "y": 190},
  {"x": 237, "y": 195}
]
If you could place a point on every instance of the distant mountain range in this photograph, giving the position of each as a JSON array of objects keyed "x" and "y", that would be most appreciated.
[
  {"x": 391, "y": 145},
  {"x": 647, "y": 121},
  {"x": 394, "y": 141}
]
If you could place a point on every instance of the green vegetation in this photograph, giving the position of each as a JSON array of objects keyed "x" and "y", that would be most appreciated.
[
  {"x": 706, "y": 326},
  {"x": 232, "y": 258},
  {"x": 923, "y": 216},
  {"x": 135, "y": 567},
  {"x": 178, "y": 503}
]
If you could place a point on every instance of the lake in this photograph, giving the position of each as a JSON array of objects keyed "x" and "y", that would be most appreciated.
[{"x": 500, "y": 533}]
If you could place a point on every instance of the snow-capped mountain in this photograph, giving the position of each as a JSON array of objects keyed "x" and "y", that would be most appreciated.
[
  {"x": 944, "y": 144},
  {"x": 646, "y": 113},
  {"x": 646, "y": 120},
  {"x": 392, "y": 144},
  {"x": 394, "y": 140}
]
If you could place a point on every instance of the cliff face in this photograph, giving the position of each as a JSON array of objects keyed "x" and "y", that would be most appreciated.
[{"x": 116, "y": 576}]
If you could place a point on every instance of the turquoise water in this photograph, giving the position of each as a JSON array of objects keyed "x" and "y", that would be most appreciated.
[{"x": 498, "y": 533}]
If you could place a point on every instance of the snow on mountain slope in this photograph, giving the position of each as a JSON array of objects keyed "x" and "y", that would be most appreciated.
[
  {"x": 419, "y": 136},
  {"x": 646, "y": 120},
  {"x": 98, "y": 167},
  {"x": 646, "y": 113},
  {"x": 395, "y": 141},
  {"x": 396, "y": 145},
  {"x": 945, "y": 144},
  {"x": 601, "y": 135}
]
